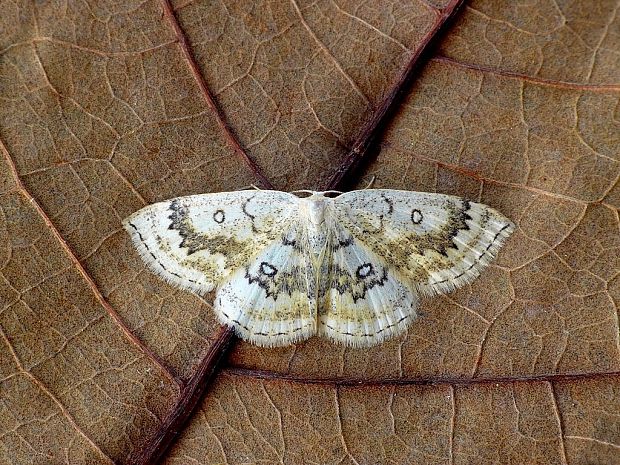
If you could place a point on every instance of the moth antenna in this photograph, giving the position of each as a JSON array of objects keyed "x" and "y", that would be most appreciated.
[
  {"x": 316, "y": 192},
  {"x": 248, "y": 187},
  {"x": 372, "y": 181}
]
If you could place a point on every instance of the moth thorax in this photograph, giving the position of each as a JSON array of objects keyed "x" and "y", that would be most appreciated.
[{"x": 313, "y": 208}]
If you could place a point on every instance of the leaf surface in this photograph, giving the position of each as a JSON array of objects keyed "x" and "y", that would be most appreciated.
[{"x": 107, "y": 107}]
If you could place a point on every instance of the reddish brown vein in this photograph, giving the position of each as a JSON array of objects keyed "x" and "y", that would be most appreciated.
[
  {"x": 472, "y": 174},
  {"x": 154, "y": 358},
  {"x": 537, "y": 80},
  {"x": 429, "y": 381},
  {"x": 369, "y": 132},
  {"x": 190, "y": 396},
  {"x": 230, "y": 136},
  {"x": 196, "y": 386}
]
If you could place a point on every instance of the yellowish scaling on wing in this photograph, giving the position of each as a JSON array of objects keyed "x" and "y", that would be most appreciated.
[
  {"x": 196, "y": 242},
  {"x": 362, "y": 300},
  {"x": 272, "y": 300}
]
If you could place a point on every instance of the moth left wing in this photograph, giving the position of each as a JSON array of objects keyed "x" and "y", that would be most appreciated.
[
  {"x": 198, "y": 241},
  {"x": 271, "y": 301},
  {"x": 437, "y": 242}
]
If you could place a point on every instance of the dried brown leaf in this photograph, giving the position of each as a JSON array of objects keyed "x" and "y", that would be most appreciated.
[{"x": 105, "y": 107}]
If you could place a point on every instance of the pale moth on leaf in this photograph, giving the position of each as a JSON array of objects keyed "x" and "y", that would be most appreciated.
[{"x": 351, "y": 267}]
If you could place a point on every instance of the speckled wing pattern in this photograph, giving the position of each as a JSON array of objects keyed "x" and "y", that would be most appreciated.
[
  {"x": 363, "y": 299},
  {"x": 437, "y": 242},
  {"x": 271, "y": 301},
  {"x": 351, "y": 268}
]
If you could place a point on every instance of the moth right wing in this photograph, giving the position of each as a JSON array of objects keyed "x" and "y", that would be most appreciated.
[
  {"x": 363, "y": 300},
  {"x": 198, "y": 241},
  {"x": 437, "y": 242}
]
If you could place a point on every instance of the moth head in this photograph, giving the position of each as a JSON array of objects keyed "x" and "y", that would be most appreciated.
[{"x": 313, "y": 207}]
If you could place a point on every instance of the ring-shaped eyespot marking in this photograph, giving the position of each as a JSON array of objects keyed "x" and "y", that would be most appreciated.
[
  {"x": 365, "y": 270},
  {"x": 219, "y": 216},
  {"x": 416, "y": 216},
  {"x": 268, "y": 270}
]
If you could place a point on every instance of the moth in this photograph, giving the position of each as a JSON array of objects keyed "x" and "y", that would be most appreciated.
[{"x": 351, "y": 267}]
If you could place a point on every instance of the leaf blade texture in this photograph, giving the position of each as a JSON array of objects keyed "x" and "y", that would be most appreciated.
[{"x": 102, "y": 111}]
